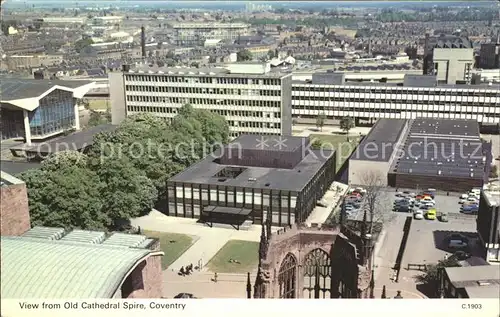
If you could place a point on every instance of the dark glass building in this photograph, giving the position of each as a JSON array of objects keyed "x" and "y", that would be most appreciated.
[{"x": 254, "y": 176}]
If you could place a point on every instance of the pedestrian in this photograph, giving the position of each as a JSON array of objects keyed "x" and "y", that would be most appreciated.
[{"x": 215, "y": 277}]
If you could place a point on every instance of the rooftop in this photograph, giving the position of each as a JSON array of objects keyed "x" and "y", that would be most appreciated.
[
  {"x": 7, "y": 179},
  {"x": 380, "y": 143},
  {"x": 492, "y": 196},
  {"x": 210, "y": 171},
  {"x": 474, "y": 276},
  {"x": 13, "y": 89},
  {"x": 202, "y": 72},
  {"x": 442, "y": 148},
  {"x": 51, "y": 263}
]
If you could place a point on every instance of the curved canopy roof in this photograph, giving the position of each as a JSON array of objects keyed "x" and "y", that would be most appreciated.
[
  {"x": 43, "y": 268},
  {"x": 26, "y": 93}
]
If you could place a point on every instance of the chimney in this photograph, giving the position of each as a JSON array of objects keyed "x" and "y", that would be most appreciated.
[{"x": 143, "y": 41}]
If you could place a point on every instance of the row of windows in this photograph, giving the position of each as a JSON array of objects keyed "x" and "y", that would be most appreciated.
[
  {"x": 205, "y": 101},
  {"x": 398, "y": 91},
  {"x": 376, "y": 100},
  {"x": 150, "y": 109},
  {"x": 204, "y": 80},
  {"x": 253, "y": 124},
  {"x": 434, "y": 109},
  {"x": 211, "y": 91},
  {"x": 258, "y": 114},
  {"x": 359, "y": 112}
]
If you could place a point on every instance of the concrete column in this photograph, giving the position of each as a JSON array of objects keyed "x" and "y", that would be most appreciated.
[
  {"x": 77, "y": 117},
  {"x": 27, "y": 130}
]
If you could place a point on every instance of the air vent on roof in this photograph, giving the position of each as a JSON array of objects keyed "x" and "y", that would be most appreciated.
[
  {"x": 471, "y": 174},
  {"x": 410, "y": 170},
  {"x": 160, "y": 72},
  {"x": 439, "y": 172},
  {"x": 181, "y": 73},
  {"x": 483, "y": 283},
  {"x": 221, "y": 180},
  {"x": 252, "y": 179},
  {"x": 267, "y": 184}
]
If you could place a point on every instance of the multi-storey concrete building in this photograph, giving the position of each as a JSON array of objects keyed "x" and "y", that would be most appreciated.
[
  {"x": 188, "y": 34},
  {"x": 251, "y": 97},
  {"x": 450, "y": 58},
  {"x": 337, "y": 99}
]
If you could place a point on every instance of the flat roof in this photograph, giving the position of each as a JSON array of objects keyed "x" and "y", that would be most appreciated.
[
  {"x": 379, "y": 144},
  {"x": 366, "y": 84},
  {"x": 75, "y": 141},
  {"x": 202, "y": 72},
  {"x": 257, "y": 177},
  {"x": 50, "y": 264},
  {"x": 490, "y": 291},
  {"x": 470, "y": 276},
  {"x": 442, "y": 148},
  {"x": 270, "y": 142}
]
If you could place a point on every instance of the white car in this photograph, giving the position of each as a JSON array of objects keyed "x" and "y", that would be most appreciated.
[
  {"x": 464, "y": 196},
  {"x": 472, "y": 200},
  {"x": 418, "y": 215}
]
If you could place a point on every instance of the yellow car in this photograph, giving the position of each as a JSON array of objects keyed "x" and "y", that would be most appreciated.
[{"x": 431, "y": 214}]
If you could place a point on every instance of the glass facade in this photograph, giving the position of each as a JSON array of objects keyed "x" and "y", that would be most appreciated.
[
  {"x": 55, "y": 113},
  {"x": 286, "y": 207},
  {"x": 11, "y": 122}
]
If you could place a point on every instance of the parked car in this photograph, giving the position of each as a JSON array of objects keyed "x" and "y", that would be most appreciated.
[
  {"x": 418, "y": 214},
  {"x": 399, "y": 194},
  {"x": 404, "y": 209},
  {"x": 469, "y": 208},
  {"x": 464, "y": 196},
  {"x": 431, "y": 214},
  {"x": 443, "y": 217}
]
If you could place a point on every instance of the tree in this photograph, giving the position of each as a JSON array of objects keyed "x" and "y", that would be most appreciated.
[
  {"x": 68, "y": 197},
  {"x": 494, "y": 171},
  {"x": 346, "y": 124},
  {"x": 373, "y": 184},
  {"x": 271, "y": 54},
  {"x": 431, "y": 276},
  {"x": 81, "y": 44},
  {"x": 316, "y": 144},
  {"x": 64, "y": 159},
  {"x": 320, "y": 121},
  {"x": 244, "y": 55},
  {"x": 98, "y": 118},
  {"x": 127, "y": 193}
]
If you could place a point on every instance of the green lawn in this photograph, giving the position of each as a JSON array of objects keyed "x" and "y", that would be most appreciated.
[
  {"x": 172, "y": 244},
  {"x": 99, "y": 104},
  {"x": 338, "y": 142},
  {"x": 244, "y": 252}
]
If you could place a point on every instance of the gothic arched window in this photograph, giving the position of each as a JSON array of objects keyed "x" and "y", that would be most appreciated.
[
  {"x": 287, "y": 277},
  {"x": 317, "y": 274}
]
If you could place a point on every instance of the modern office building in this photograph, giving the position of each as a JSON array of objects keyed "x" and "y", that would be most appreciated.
[
  {"x": 195, "y": 33},
  {"x": 443, "y": 154},
  {"x": 447, "y": 155},
  {"x": 39, "y": 109},
  {"x": 416, "y": 98},
  {"x": 450, "y": 58},
  {"x": 251, "y": 179},
  {"x": 488, "y": 224},
  {"x": 252, "y": 97}
]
